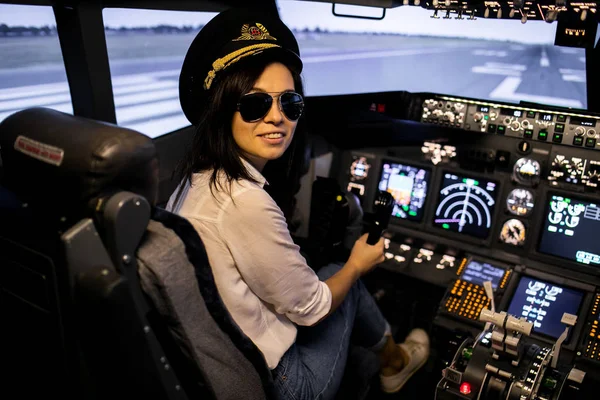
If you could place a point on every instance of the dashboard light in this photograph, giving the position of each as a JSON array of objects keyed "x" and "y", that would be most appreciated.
[{"x": 465, "y": 388}]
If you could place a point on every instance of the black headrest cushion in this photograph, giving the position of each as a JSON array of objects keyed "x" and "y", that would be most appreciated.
[{"x": 61, "y": 164}]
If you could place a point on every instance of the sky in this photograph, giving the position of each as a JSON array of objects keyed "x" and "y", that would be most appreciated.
[{"x": 301, "y": 15}]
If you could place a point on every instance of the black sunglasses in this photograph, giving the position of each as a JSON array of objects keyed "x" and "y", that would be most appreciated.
[{"x": 254, "y": 106}]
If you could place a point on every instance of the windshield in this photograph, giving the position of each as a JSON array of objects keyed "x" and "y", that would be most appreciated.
[{"x": 409, "y": 50}]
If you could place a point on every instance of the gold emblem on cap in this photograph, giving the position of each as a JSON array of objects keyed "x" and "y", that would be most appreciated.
[
  {"x": 254, "y": 32},
  {"x": 233, "y": 57},
  {"x": 248, "y": 32}
]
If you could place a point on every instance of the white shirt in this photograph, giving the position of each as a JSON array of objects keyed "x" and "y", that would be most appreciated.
[{"x": 260, "y": 274}]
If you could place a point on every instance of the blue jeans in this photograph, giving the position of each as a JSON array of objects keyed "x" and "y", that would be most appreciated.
[{"x": 314, "y": 365}]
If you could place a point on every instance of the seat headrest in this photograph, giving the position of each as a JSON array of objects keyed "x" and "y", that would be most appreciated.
[{"x": 61, "y": 164}]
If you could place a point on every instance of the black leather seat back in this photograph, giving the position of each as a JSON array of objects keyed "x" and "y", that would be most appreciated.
[
  {"x": 71, "y": 324},
  {"x": 108, "y": 296}
]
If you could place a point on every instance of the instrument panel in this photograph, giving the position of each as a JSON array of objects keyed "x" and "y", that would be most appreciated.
[
  {"x": 518, "y": 204},
  {"x": 561, "y": 127}
]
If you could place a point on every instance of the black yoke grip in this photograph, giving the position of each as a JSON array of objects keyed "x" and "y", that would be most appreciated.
[{"x": 382, "y": 209}]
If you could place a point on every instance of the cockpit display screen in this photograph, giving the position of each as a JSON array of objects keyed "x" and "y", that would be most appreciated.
[
  {"x": 408, "y": 185},
  {"x": 511, "y": 112},
  {"x": 544, "y": 304},
  {"x": 466, "y": 205},
  {"x": 478, "y": 272},
  {"x": 583, "y": 121},
  {"x": 571, "y": 230}
]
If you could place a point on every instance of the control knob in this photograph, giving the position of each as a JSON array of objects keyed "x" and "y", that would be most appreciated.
[
  {"x": 515, "y": 125},
  {"x": 447, "y": 261},
  {"x": 477, "y": 117},
  {"x": 591, "y": 133},
  {"x": 459, "y": 106},
  {"x": 437, "y": 113},
  {"x": 579, "y": 131},
  {"x": 423, "y": 255}
]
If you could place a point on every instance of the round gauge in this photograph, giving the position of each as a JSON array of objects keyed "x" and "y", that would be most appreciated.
[
  {"x": 513, "y": 232},
  {"x": 520, "y": 202},
  {"x": 592, "y": 179},
  {"x": 527, "y": 171},
  {"x": 359, "y": 168},
  {"x": 566, "y": 169},
  {"x": 574, "y": 170}
]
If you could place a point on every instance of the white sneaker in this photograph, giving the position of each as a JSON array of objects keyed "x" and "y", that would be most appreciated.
[{"x": 416, "y": 346}]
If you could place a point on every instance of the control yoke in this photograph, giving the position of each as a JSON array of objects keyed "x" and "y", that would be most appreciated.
[{"x": 382, "y": 208}]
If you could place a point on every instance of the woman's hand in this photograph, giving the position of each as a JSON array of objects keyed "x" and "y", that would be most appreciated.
[
  {"x": 362, "y": 259},
  {"x": 365, "y": 257}
]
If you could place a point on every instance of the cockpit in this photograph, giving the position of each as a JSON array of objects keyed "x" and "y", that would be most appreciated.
[{"x": 480, "y": 120}]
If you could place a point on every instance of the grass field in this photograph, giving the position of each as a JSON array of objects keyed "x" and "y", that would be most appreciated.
[{"x": 20, "y": 52}]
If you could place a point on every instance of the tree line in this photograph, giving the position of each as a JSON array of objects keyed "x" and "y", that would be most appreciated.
[
  {"x": 45, "y": 30},
  {"x": 6, "y": 30}
]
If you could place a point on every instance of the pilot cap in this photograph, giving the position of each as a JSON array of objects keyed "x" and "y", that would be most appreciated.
[{"x": 233, "y": 36}]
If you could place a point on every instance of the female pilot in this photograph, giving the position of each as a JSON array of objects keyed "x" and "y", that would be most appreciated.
[{"x": 240, "y": 86}]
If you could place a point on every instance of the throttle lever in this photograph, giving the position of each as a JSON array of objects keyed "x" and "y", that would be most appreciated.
[{"x": 382, "y": 208}]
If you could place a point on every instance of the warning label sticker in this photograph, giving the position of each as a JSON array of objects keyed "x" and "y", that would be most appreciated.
[{"x": 41, "y": 151}]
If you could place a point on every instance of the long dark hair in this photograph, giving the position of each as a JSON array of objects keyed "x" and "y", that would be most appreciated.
[{"x": 213, "y": 147}]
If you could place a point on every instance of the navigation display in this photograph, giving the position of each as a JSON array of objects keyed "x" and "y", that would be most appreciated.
[
  {"x": 544, "y": 304},
  {"x": 571, "y": 230},
  {"x": 408, "y": 185},
  {"x": 478, "y": 272},
  {"x": 466, "y": 205}
]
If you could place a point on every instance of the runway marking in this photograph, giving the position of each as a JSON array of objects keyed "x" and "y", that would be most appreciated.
[
  {"x": 573, "y": 75},
  {"x": 499, "y": 69},
  {"x": 568, "y": 50},
  {"x": 64, "y": 107},
  {"x": 372, "y": 54},
  {"x": 34, "y": 101},
  {"x": 52, "y": 88},
  {"x": 147, "y": 92},
  {"x": 162, "y": 74},
  {"x": 147, "y": 97},
  {"x": 517, "y": 67},
  {"x": 544, "y": 61},
  {"x": 160, "y": 126},
  {"x": 140, "y": 101},
  {"x": 507, "y": 90},
  {"x": 490, "y": 53},
  {"x": 132, "y": 113},
  {"x": 33, "y": 90}
]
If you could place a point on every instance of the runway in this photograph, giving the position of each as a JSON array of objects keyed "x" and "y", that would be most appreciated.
[{"x": 146, "y": 90}]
